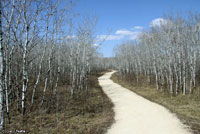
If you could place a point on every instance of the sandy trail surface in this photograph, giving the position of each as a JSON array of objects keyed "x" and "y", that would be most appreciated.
[{"x": 136, "y": 115}]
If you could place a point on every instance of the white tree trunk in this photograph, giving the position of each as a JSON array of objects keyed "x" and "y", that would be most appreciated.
[{"x": 1, "y": 73}]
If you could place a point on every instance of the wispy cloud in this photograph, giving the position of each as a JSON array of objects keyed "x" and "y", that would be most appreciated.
[
  {"x": 120, "y": 34},
  {"x": 124, "y": 32},
  {"x": 96, "y": 45},
  {"x": 131, "y": 35},
  {"x": 135, "y": 35},
  {"x": 70, "y": 37},
  {"x": 109, "y": 37},
  {"x": 137, "y": 28},
  {"x": 158, "y": 22}
]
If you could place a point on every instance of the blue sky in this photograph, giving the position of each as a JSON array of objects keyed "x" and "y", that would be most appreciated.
[{"x": 124, "y": 19}]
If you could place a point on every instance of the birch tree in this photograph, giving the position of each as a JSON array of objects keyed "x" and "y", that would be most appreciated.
[
  {"x": 1, "y": 74},
  {"x": 168, "y": 52},
  {"x": 36, "y": 56}
]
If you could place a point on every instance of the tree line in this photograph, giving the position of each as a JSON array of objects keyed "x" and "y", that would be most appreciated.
[
  {"x": 167, "y": 54},
  {"x": 38, "y": 49}
]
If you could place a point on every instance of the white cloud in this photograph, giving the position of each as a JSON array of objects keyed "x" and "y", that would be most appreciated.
[
  {"x": 96, "y": 45},
  {"x": 137, "y": 28},
  {"x": 158, "y": 22},
  {"x": 71, "y": 37},
  {"x": 128, "y": 34},
  {"x": 121, "y": 34},
  {"x": 109, "y": 37},
  {"x": 135, "y": 35},
  {"x": 124, "y": 32}
]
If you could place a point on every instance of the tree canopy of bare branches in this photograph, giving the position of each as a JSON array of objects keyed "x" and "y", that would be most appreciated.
[
  {"x": 35, "y": 49},
  {"x": 167, "y": 55}
]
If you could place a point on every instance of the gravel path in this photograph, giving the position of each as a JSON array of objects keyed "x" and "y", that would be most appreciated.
[{"x": 136, "y": 115}]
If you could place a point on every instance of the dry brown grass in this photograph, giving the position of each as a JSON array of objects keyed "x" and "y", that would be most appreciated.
[
  {"x": 187, "y": 107},
  {"x": 91, "y": 114}
]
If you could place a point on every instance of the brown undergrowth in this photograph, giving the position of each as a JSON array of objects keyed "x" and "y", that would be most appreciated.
[
  {"x": 187, "y": 107},
  {"x": 91, "y": 114}
]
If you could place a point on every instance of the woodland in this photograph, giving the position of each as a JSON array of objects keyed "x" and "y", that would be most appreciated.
[{"x": 45, "y": 66}]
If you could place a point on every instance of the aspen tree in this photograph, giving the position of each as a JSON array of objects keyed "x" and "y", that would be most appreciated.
[{"x": 1, "y": 75}]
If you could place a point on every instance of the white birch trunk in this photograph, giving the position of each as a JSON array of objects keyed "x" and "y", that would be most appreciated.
[
  {"x": 38, "y": 78},
  {"x": 24, "y": 71},
  {"x": 1, "y": 73},
  {"x": 184, "y": 78}
]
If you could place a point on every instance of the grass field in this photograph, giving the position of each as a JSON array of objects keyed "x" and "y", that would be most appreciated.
[
  {"x": 91, "y": 114},
  {"x": 187, "y": 107}
]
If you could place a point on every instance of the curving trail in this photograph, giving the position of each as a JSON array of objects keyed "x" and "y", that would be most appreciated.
[{"x": 136, "y": 115}]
